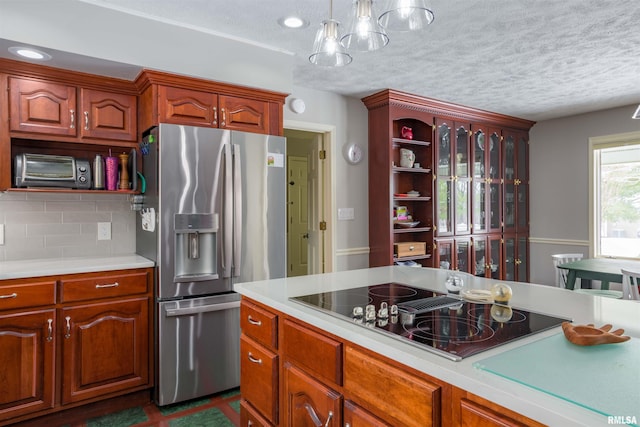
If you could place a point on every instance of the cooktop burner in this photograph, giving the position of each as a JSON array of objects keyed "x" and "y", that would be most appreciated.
[{"x": 444, "y": 324}]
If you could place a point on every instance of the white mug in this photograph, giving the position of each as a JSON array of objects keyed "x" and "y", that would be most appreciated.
[{"x": 407, "y": 157}]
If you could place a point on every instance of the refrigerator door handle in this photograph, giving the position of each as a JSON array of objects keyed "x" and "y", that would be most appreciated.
[
  {"x": 227, "y": 235},
  {"x": 171, "y": 312},
  {"x": 237, "y": 210}
]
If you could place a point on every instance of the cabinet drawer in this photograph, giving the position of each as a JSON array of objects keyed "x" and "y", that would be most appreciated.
[
  {"x": 395, "y": 395},
  {"x": 113, "y": 284},
  {"x": 259, "y": 379},
  {"x": 317, "y": 353},
  {"x": 250, "y": 417},
  {"x": 259, "y": 324},
  {"x": 21, "y": 295}
]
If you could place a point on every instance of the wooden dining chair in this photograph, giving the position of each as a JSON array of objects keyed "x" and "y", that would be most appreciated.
[
  {"x": 630, "y": 283},
  {"x": 561, "y": 274}
]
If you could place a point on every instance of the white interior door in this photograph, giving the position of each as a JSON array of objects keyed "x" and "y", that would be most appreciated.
[
  {"x": 297, "y": 216},
  {"x": 316, "y": 206}
]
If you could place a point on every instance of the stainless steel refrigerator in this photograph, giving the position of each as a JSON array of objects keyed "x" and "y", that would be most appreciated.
[{"x": 213, "y": 214}]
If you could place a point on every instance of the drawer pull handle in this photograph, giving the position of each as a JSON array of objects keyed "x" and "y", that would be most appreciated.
[
  {"x": 50, "y": 330},
  {"x": 411, "y": 248},
  {"x": 68, "y": 334},
  {"x": 73, "y": 119},
  {"x": 86, "y": 120},
  {"x": 215, "y": 116},
  {"x": 224, "y": 118},
  {"x": 254, "y": 360},
  {"x": 13, "y": 295},
  {"x": 108, "y": 285},
  {"x": 254, "y": 322}
]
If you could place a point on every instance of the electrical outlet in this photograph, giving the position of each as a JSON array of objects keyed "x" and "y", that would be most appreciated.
[{"x": 104, "y": 231}]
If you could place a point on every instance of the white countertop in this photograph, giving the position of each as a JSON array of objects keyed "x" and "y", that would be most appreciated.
[
  {"x": 534, "y": 404},
  {"x": 55, "y": 266}
]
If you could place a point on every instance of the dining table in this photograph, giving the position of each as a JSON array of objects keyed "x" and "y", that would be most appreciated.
[{"x": 606, "y": 270}]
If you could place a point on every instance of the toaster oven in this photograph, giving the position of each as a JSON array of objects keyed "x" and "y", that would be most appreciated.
[{"x": 45, "y": 170}]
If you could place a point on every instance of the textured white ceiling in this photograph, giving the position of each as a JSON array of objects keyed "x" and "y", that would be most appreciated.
[{"x": 534, "y": 59}]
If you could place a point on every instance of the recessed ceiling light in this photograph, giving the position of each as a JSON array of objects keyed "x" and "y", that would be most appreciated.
[
  {"x": 29, "y": 53},
  {"x": 292, "y": 21}
]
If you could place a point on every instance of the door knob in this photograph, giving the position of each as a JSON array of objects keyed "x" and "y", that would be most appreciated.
[
  {"x": 291, "y": 183},
  {"x": 305, "y": 236}
]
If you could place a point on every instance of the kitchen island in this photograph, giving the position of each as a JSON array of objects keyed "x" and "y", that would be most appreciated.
[{"x": 455, "y": 389}]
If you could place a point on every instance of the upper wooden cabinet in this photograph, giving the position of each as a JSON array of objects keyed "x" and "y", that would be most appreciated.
[
  {"x": 42, "y": 107},
  {"x": 47, "y": 107},
  {"x": 166, "y": 98}
]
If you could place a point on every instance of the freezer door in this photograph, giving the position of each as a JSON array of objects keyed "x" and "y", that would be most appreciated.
[
  {"x": 259, "y": 174},
  {"x": 198, "y": 347}
]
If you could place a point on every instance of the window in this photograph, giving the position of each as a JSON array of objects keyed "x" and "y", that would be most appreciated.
[{"x": 615, "y": 196}]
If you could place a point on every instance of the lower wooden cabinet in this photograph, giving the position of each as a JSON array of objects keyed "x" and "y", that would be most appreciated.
[
  {"x": 27, "y": 343},
  {"x": 58, "y": 355},
  {"x": 249, "y": 417},
  {"x": 105, "y": 348},
  {"x": 470, "y": 410},
  {"x": 259, "y": 377},
  {"x": 308, "y": 402},
  {"x": 355, "y": 416},
  {"x": 400, "y": 397},
  {"x": 314, "y": 378}
]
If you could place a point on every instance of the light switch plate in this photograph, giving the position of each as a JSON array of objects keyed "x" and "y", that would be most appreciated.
[
  {"x": 1, "y": 234},
  {"x": 345, "y": 214},
  {"x": 104, "y": 231}
]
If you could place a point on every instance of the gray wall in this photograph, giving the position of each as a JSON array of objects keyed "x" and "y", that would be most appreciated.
[
  {"x": 559, "y": 174},
  {"x": 348, "y": 117}
]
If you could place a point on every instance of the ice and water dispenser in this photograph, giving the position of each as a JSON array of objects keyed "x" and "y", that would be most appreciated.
[{"x": 195, "y": 237}]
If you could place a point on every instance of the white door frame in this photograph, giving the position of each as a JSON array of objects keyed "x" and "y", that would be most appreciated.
[{"x": 329, "y": 132}]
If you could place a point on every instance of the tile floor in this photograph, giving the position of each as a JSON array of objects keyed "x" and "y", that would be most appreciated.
[{"x": 220, "y": 410}]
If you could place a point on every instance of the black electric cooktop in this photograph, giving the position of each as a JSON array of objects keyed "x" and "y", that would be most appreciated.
[{"x": 445, "y": 324}]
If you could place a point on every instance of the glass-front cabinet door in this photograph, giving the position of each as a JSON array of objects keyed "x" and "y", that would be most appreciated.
[
  {"x": 516, "y": 258},
  {"x": 453, "y": 179},
  {"x": 487, "y": 253},
  {"x": 454, "y": 254},
  {"x": 486, "y": 182},
  {"x": 516, "y": 182}
]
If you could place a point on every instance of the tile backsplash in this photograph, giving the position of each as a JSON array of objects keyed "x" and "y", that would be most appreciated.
[{"x": 65, "y": 225}]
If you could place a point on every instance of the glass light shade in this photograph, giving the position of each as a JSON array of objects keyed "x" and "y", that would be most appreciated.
[
  {"x": 365, "y": 33},
  {"x": 327, "y": 50},
  {"x": 406, "y": 15}
]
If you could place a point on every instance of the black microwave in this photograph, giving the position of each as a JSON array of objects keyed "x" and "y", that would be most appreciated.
[{"x": 44, "y": 170}]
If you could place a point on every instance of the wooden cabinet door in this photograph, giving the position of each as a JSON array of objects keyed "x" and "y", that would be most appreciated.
[
  {"x": 108, "y": 115},
  {"x": 42, "y": 107},
  {"x": 470, "y": 410},
  {"x": 187, "y": 107},
  {"x": 309, "y": 403},
  {"x": 355, "y": 416},
  {"x": 27, "y": 342},
  {"x": 105, "y": 348},
  {"x": 244, "y": 114}
]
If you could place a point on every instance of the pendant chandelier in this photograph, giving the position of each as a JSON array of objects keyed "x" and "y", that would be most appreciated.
[
  {"x": 327, "y": 50},
  {"x": 367, "y": 31}
]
